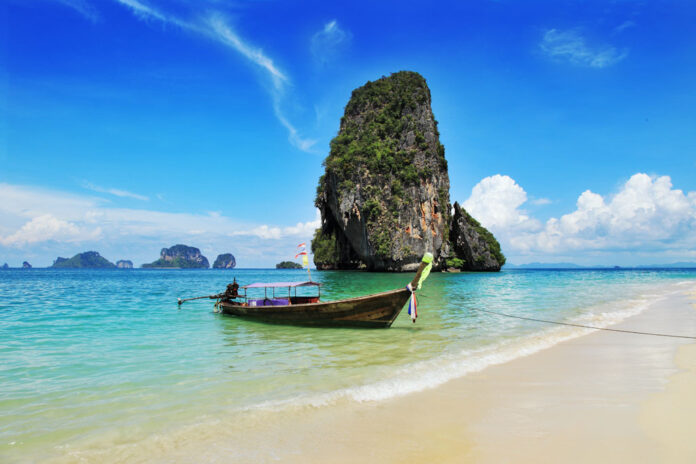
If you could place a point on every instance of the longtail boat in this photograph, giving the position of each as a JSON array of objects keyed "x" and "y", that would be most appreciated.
[{"x": 377, "y": 310}]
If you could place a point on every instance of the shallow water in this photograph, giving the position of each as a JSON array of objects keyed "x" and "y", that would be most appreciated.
[{"x": 91, "y": 360}]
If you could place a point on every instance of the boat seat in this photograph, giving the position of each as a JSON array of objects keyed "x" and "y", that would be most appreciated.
[{"x": 269, "y": 302}]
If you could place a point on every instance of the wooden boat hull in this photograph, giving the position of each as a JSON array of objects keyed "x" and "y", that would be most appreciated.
[{"x": 378, "y": 310}]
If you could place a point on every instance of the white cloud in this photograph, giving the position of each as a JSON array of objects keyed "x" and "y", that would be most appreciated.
[
  {"x": 328, "y": 42},
  {"x": 49, "y": 228},
  {"x": 115, "y": 192},
  {"x": 646, "y": 215},
  {"x": 540, "y": 201},
  {"x": 32, "y": 216},
  {"x": 496, "y": 201},
  {"x": 572, "y": 47},
  {"x": 216, "y": 27}
]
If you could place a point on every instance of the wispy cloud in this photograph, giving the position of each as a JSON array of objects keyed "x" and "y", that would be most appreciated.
[
  {"x": 572, "y": 47},
  {"x": 623, "y": 26},
  {"x": 115, "y": 192},
  {"x": 81, "y": 6},
  {"x": 328, "y": 42},
  {"x": 216, "y": 27}
]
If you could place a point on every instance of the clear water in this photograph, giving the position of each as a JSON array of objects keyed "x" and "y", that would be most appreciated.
[{"x": 106, "y": 358}]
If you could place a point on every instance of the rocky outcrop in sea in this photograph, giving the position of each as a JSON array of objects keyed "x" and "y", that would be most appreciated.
[
  {"x": 384, "y": 197},
  {"x": 5, "y": 266},
  {"x": 86, "y": 260},
  {"x": 225, "y": 261},
  {"x": 180, "y": 256},
  {"x": 124, "y": 264},
  {"x": 473, "y": 244},
  {"x": 26, "y": 265}
]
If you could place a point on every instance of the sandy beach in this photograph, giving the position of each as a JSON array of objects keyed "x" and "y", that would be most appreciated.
[{"x": 601, "y": 397}]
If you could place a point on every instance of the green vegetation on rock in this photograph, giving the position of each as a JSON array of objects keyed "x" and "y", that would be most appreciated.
[
  {"x": 180, "y": 256},
  {"x": 288, "y": 265},
  {"x": 86, "y": 260},
  {"x": 385, "y": 166},
  {"x": 493, "y": 245},
  {"x": 324, "y": 249}
]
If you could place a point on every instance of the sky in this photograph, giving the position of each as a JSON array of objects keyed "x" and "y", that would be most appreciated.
[{"x": 131, "y": 125}]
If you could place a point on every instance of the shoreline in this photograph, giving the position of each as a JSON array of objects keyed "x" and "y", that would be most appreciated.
[
  {"x": 585, "y": 394},
  {"x": 601, "y": 397}
]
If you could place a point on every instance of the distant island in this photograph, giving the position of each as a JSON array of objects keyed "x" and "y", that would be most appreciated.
[
  {"x": 5, "y": 266},
  {"x": 180, "y": 256},
  {"x": 26, "y": 265},
  {"x": 86, "y": 260},
  {"x": 124, "y": 264},
  {"x": 288, "y": 265},
  {"x": 225, "y": 261}
]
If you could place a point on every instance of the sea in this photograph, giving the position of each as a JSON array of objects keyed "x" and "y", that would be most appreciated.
[{"x": 105, "y": 366}]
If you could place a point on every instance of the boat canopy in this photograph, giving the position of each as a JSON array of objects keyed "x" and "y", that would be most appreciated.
[{"x": 307, "y": 283}]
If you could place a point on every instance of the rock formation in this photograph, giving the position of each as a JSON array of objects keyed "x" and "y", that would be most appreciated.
[
  {"x": 124, "y": 264},
  {"x": 288, "y": 265},
  {"x": 473, "y": 244},
  {"x": 225, "y": 261},
  {"x": 26, "y": 265},
  {"x": 180, "y": 256},
  {"x": 86, "y": 260},
  {"x": 5, "y": 266},
  {"x": 384, "y": 197}
]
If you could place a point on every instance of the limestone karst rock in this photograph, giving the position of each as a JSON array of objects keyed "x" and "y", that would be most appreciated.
[
  {"x": 180, "y": 256},
  {"x": 384, "y": 197},
  {"x": 225, "y": 261}
]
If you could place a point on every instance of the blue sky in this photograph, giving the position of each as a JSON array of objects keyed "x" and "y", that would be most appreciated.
[{"x": 129, "y": 125}]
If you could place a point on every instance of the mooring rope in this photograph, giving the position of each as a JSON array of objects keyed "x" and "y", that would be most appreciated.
[{"x": 584, "y": 326}]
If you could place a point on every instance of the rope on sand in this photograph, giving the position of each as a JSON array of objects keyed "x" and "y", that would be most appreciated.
[{"x": 690, "y": 337}]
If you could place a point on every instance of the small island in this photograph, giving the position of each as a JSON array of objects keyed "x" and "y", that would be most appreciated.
[
  {"x": 225, "y": 261},
  {"x": 288, "y": 265},
  {"x": 179, "y": 257},
  {"x": 86, "y": 260},
  {"x": 124, "y": 264},
  {"x": 26, "y": 265},
  {"x": 5, "y": 266}
]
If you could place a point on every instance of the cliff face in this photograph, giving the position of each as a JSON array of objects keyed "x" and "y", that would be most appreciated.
[
  {"x": 384, "y": 198},
  {"x": 180, "y": 256},
  {"x": 86, "y": 260},
  {"x": 473, "y": 245},
  {"x": 225, "y": 261}
]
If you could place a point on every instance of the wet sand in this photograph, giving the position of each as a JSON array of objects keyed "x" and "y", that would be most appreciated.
[{"x": 602, "y": 397}]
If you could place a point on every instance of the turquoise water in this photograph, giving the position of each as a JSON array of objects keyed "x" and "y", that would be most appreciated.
[{"x": 92, "y": 360}]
